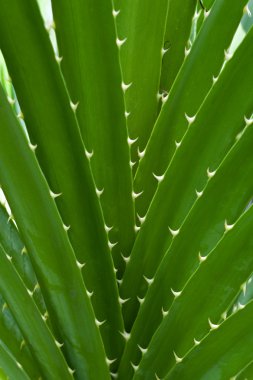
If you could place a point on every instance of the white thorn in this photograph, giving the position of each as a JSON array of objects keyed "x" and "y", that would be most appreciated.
[
  {"x": 114, "y": 375},
  {"x": 120, "y": 42},
  {"x": 19, "y": 365},
  {"x": 213, "y": 325},
  {"x": 11, "y": 100},
  {"x": 80, "y": 265},
  {"x": 131, "y": 141},
  {"x": 110, "y": 361},
  {"x": 125, "y": 258},
  {"x": 165, "y": 97},
  {"x": 136, "y": 195},
  {"x": 45, "y": 316},
  {"x": 176, "y": 294},
  {"x": 210, "y": 174},
  {"x": 119, "y": 281},
  {"x": 111, "y": 245},
  {"x": 58, "y": 58},
  {"x": 187, "y": 51},
  {"x": 174, "y": 232},
  {"x": 159, "y": 95},
  {"x": 248, "y": 121},
  {"x": 228, "y": 55},
  {"x": 178, "y": 359},
  {"x": 143, "y": 350},
  {"x": 8, "y": 257},
  {"x": 54, "y": 195},
  {"x": 190, "y": 119},
  {"x": 224, "y": 315},
  {"x": 20, "y": 115},
  {"x": 99, "y": 192},
  {"x": 89, "y": 294},
  {"x": 122, "y": 300},
  {"x": 141, "y": 153},
  {"x": 135, "y": 367},
  {"x": 202, "y": 258},
  {"x": 108, "y": 228},
  {"x": 206, "y": 13},
  {"x": 125, "y": 86},
  {"x": 89, "y": 154},
  {"x": 141, "y": 300},
  {"x": 29, "y": 292},
  {"x": 159, "y": 177},
  {"x": 66, "y": 228},
  {"x": 241, "y": 306},
  {"x": 178, "y": 144},
  {"x": 137, "y": 228},
  {"x": 227, "y": 226},
  {"x": 148, "y": 280},
  {"x": 196, "y": 342},
  {"x": 71, "y": 371},
  {"x": 58, "y": 344},
  {"x": 164, "y": 51},
  {"x": 32, "y": 147},
  {"x": 99, "y": 323},
  {"x": 215, "y": 79},
  {"x": 74, "y": 106},
  {"x": 127, "y": 114},
  {"x": 199, "y": 193},
  {"x": 125, "y": 335},
  {"x": 164, "y": 312},
  {"x": 141, "y": 218},
  {"x": 115, "y": 270},
  {"x": 132, "y": 163},
  {"x": 157, "y": 377},
  {"x": 115, "y": 13}
]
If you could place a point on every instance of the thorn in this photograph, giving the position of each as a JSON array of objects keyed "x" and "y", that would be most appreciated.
[
  {"x": 58, "y": 344},
  {"x": 137, "y": 228},
  {"x": 165, "y": 97},
  {"x": 45, "y": 316},
  {"x": 159, "y": 95},
  {"x": 54, "y": 195},
  {"x": 110, "y": 361},
  {"x": 136, "y": 195},
  {"x": 66, "y": 228},
  {"x": 131, "y": 141},
  {"x": 71, "y": 371},
  {"x": 215, "y": 79},
  {"x": 88, "y": 154},
  {"x": 107, "y": 228},
  {"x": 119, "y": 42},
  {"x": 99, "y": 323},
  {"x": 127, "y": 114},
  {"x": 206, "y": 13},
  {"x": 187, "y": 51},
  {"x": 141, "y": 153},
  {"x": 212, "y": 325},
  {"x": 9, "y": 257},
  {"x": 228, "y": 55},
  {"x": 99, "y": 192},
  {"x": 74, "y": 106},
  {"x": 119, "y": 281},
  {"x": 143, "y": 350},
  {"x": 248, "y": 121},
  {"x": 141, "y": 300},
  {"x": 11, "y": 100},
  {"x": 125, "y": 335},
  {"x": 111, "y": 245},
  {"x": 23, "y": 343},
  {"x": 202, "y": 258},
  {"x": 247, "y": 10},
  {"x": 157, "y": 377},
  {"x": 125, "y": 258},
  {"x": 58, "y": 59},
  {"x": 244, "y": 288},
  {"x": 32, "y": 147},
  {"x": 159, "y": 177},
  {"x": 190, "y": 119},
  {"x": 176, "y": 294},
  {"x": 196, "y": 342},
  {"x": 164, "y": 51},
  {"x": 114, "y": 375},
  {"x": 199, "y": 193},
  {"x": 132, "y": 163},
  {"x": 23, "y": 251},
  {"x": 210, "y": 174},
  {"x": 115, "y": 13},
  {"x": 135, "y": 367},
  {"x": 122, "y": 301},
  {"x": 19, "y": 365},
  {"x": 125, "y": 86},
  {"x": 148, "y": 280},
  {"x": 20, "y": 115},
  {"x": 224, "y": 315},
  {"x": 174, "y": 232},
  {"x": 141, "y": 218},
  {"x": 89, "y": 294},
  {"x": 178, "y": 359},
  {"x": 241, "y": 306},
  {"x": 227, "y": 226},
  {"x": 80, "y": 265},
  {"x": 178, "y": 144},
  {"x": 164, "y": 312}
]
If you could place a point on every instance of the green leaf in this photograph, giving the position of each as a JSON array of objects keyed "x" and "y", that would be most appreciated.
[
  {"x": 47, "y": 242},
  {"x": 178, "y": 26},
  {"x": 52, "y": 125},
  {"x": 211, "y": 289},
  {"x": 220, "y": 203},
  {"x": 142, "y": 27},
  {"x": 206, "y": 142},
  {"x": 95, "y": 84},
  {"x": 10, "y": 366},
  {"x": 188, "y": 92},
  {"x": 222, "y": 353}
]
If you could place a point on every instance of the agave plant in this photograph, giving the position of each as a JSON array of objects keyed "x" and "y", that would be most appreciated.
[{"x": 126, "y": 246}]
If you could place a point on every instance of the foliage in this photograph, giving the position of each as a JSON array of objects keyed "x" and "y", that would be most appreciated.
[{"x": 125, "y": 166}]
